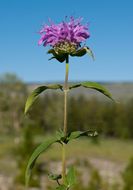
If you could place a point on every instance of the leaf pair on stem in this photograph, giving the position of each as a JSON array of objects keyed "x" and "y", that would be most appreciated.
[
  {"x": 92, "y": 85},
  {"x": 58, "y": 138}
]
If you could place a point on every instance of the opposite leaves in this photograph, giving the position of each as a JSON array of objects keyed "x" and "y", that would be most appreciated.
[
  {"x": 59, "y": 138},
  {"x": 62, "y": 138},
  {"x": 61, "y": 57},
  {"x": 93, "y": 85}
]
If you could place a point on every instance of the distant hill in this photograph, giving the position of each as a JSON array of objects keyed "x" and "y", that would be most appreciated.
[{"x": 120, "y": 91}]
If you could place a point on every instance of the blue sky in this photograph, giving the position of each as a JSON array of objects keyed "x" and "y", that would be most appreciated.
[{"x": 111, "y": 28}]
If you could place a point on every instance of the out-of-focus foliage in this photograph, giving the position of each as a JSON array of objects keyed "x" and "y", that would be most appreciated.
[
  {"x": 128, "y": 176},
  {"x": 110, "y": 119},
  {"x": 22, "y": 152},
  {"x": 95, "y": 181},
  {"x": 13, "y": 93}
]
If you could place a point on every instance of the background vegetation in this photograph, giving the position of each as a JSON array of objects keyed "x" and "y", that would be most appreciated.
[{"x": 20, "y": 134}]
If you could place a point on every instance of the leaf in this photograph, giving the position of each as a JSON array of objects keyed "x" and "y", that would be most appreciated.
[
  {"x": 41, "y": 148},
  {"x": 89, "y": 133},
  {"x": 61, "y": 187},
  {"x": 74, "y": 135},
  {"x": 55, "y": 176},
  {"x": 60, "y": 57},
  {"x": 98, "y": 87},
  {"x": 74, "y": 86},
  {"x": 62, "y": 138},
  {"x": 60, "y": 134},
  {"x": 77, "y": 134},
  {"x": 89, "y": 51},
  {"x": 70, "y": 177},
  {"x": 95, "y": 86},
  {"x": 81, "y": 52},
  {"x": 34, "y": 95}
]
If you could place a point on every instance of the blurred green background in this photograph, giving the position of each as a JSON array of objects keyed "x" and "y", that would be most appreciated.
[{"x": 103, "y": 162}]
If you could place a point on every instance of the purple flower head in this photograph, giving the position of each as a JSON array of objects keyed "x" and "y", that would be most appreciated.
[{"x": 65, "y": 37}]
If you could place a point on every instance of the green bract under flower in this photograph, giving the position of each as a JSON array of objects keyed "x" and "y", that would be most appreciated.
[{"x": 61, "y": 55}]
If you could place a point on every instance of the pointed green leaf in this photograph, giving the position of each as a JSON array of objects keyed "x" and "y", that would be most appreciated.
[
  {"x": 89, "y": 133},
  {"x": 93, "y": 85},
  {"x": 98, "y": 87},
  {"x": 77, "y": 134},
  {"x": 52, "y": 58},
  {"x": 34, "y": 95},
  {"x": 89, "y": 51},
  {"x": 41, "y": 148},
  {"x": 81, "y": 52},
  {"x": 74, "y": 86},
  {"x": 60, "y": 57},
  {"x": 74, "y": 135},
  {"x": 70, "y": 177},
  {"x": 62, "y": 187}
]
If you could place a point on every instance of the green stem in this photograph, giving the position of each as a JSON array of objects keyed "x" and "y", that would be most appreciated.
[{"x": 65, "y": 120}]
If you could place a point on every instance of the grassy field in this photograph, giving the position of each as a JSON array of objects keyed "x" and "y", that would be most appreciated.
[
  {"x": 111, "y": 149},
  {"x": 108, "y": 156}
]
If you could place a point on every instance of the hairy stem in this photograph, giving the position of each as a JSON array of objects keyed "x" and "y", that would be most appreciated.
[{"x": 65, "y": 120}]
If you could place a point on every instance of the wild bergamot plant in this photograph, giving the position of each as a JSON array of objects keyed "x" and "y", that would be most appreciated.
[{"x": 64, "y": 39}]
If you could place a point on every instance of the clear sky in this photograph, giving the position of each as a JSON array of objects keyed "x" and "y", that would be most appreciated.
[{"x": 111, "y": 28}]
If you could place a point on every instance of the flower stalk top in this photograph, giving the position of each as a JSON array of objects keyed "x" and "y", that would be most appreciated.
[{"x": 65, "y": 38}]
